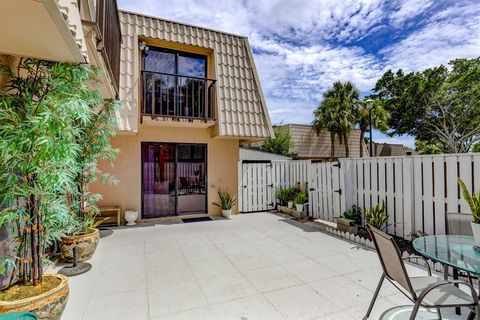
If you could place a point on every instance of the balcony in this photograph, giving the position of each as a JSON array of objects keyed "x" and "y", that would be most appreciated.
[
  {"x": 178, "y": 98},
  {"x": 111, "y": 37}
]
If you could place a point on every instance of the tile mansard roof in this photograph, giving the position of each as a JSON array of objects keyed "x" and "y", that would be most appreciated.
[
  {"x": 242, "y": 111},
  {"x": 307, "y": 145}
]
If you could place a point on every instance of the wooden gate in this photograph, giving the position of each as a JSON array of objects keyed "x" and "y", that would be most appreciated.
[
  {"x": 255, "y": 192},
  {"x": 325, "y": 191}
]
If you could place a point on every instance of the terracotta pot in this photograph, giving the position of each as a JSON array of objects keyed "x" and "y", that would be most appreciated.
[
  {"x": 86, "y": 245},
  {"x": 46, "y": 306}
]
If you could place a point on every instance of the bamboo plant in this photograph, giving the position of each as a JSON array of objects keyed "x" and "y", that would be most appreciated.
[
  {"x": 39, "y": 108},
  {"x": 94, "y": 144}
]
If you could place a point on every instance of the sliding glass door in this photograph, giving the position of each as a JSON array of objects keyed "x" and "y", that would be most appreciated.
[{"x": 173, "y": 179}]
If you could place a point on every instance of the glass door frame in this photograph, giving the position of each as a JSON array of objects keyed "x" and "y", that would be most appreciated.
[{"x": 175, "y": 144}]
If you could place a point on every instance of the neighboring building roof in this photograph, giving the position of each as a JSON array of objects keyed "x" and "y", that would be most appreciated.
[
  {"x": 242, "y": 111},
  {"x": 388, "y": 150},
  {"x": 308, "y": 145},
  {"x": 253, "y": 155}
]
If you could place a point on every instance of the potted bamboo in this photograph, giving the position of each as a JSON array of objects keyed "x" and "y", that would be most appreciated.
[
  {"x": 38, "y": 146},
  {"x": 94, "y": 144},
  {"x": 473, "y": 201},
  {"x": 227, "y": 202}
]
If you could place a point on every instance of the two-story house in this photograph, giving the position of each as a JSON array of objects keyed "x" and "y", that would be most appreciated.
[{"x": 190, "y": 96}]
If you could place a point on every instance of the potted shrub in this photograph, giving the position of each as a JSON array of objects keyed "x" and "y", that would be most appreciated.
[
  {"x": 473, "y": 201},
  {"x": 292, "y": 192},
  {"x": 38, "y": 111},
  {"x": 282, "y": 195},
  {"x": 82, "y": 233},
  {"x": 300, "y": 200},
  {"x": 350, "y": 220},
  {"x": 94, "y": 143},
  {"x": 227, "y": 202}
]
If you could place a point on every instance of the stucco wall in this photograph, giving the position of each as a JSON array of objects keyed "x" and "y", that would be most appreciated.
[{"x": 222, "y": 158}]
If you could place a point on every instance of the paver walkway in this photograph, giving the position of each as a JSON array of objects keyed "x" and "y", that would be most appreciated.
[{"x": 253, "y": 266}]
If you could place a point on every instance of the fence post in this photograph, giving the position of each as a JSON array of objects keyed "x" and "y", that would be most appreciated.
[
  {"x": 408, "y": 199},
  {"x": 348, "y": 184}
]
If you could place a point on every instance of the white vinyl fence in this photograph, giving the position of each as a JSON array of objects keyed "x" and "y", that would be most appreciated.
[
  {"x": 418, "y": 191},
  {"x": 257, "y": 182}
]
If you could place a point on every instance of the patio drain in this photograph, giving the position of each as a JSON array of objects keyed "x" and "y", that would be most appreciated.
[{"x": 200, "y": 219}]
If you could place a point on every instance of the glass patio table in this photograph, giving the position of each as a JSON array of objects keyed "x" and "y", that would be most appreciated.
[{"x": 451, "y": 251}]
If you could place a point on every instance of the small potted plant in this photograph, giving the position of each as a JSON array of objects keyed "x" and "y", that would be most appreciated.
[
  {"x": 300, "y": 200},
  {"x": 282, "y": 194},
  {"x": 227, "y": 202},
  {"x": 350, "y": 220},
  {"x": 83, "y": 234},
  {"x": 473, "y": 201},
  {"x": 291, "y": 197}
]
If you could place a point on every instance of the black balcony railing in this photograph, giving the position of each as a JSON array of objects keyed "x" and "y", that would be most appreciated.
[
  {"x": 109, "y": 37},
  {"x": 176, "y": 96}
]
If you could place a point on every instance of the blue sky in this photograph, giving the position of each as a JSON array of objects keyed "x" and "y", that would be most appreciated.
[{"x": 302, "y": 46}]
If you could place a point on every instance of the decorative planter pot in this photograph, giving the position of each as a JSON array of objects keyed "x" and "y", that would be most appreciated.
[
  {"x": 476, "y": 234},
  {"x": 299, "y": 207},
  {"x": 346, "y": 225},
  {"x": 227, "y": 213},
  {"x": 46, "y": 306},
  {"x": 131, "y": 216},
  {"x": 86, "y": 245},
  {"x": 290, "y": 204}
]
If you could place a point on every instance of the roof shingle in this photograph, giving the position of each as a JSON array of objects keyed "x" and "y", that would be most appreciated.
[{"x": 242, "y": 111}]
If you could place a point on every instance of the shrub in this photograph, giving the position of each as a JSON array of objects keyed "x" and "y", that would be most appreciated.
[
  {"x": 376, "y": 216},
  {"x": 301, "y": 198},
  {"x": 282, "y": 195},
  {"x": 354, "y": 213}
]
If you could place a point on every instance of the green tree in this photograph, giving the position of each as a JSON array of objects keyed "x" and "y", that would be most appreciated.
[
  {"x": 439, "y": 106},
  {"x": 423, "y": 147},
  {"x": 38, "y": 112},
  {"x": 336, "y": 113},
  {"x": 281, "y": 144},
  {"x": 476, "y": 147},
  {"x": 376, "y": 113}
]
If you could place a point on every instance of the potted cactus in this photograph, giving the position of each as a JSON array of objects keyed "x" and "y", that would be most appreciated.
[{"x": 473, "y": 201}]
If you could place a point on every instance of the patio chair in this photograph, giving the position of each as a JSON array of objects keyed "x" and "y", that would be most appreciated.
[{"x": 425, "y": 291}]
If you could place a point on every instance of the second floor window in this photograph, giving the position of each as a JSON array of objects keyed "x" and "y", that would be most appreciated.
[{"x": 175, "y": 84}]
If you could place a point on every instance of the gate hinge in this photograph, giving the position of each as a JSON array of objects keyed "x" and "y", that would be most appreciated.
[
  {"x": 339, "y": 191},
  {"x": 338, "y": 164}
]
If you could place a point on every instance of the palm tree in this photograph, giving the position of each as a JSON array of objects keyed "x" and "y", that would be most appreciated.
[
  {"x": 337, "y": 113},
  {"x": 379, "y": 118},
  {"x": 326, "y": 118}
]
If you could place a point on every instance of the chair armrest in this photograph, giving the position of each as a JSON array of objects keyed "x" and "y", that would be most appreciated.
[
  {"x": 427, "y": 290},
  {"x": 429, "y": 270}
]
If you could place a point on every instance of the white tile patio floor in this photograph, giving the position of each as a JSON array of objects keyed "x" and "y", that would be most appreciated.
[{"x": 254, "y": 266}]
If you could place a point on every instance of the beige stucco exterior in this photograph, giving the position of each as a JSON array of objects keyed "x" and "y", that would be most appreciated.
[
  {"x": 222, "y": 158},
  {"x": 240, "y": 109}
]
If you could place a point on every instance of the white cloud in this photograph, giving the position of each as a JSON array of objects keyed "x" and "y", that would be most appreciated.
[
  {"x": 407, "y": 10},
  {"x": 452, "y": 33}
]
